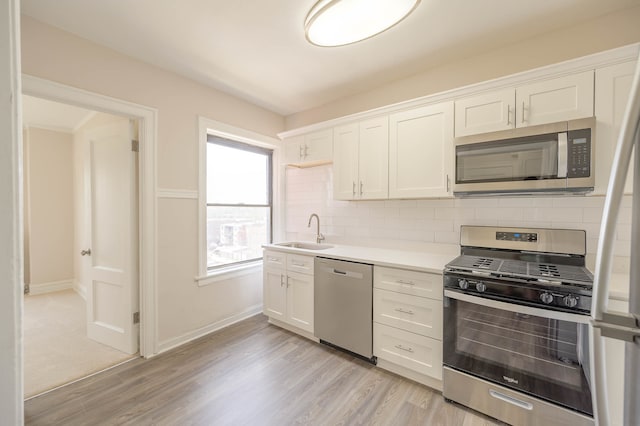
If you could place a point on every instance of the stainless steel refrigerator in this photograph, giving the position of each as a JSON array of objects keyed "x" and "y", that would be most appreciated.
[{"x": 616, "y": 325}]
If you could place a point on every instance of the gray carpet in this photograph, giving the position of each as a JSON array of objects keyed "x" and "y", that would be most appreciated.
[{"x": 56, "y": 349}]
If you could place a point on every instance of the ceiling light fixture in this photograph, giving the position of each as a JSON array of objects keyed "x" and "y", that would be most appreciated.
[{"x": 340, "y": 22}]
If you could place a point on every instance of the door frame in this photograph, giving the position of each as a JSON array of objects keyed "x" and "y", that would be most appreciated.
[{"x": 147, "y": 204}]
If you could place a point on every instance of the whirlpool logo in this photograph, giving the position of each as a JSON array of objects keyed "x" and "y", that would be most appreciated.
[{"x": 510, "y": 380}]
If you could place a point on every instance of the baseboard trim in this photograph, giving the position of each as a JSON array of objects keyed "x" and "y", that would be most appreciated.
[
  {"x": 203, "y": 331},
  {"x": 80, "y": 289},
  {"x": 50, "y": 287}
]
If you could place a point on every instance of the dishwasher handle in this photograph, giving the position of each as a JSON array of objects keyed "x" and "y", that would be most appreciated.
[
  {"x": 330, "y": 270},
  {"x": 335, "y": 271}
]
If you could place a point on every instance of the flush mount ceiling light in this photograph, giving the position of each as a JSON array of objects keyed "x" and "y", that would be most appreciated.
[{"x": 340, "y": 22}]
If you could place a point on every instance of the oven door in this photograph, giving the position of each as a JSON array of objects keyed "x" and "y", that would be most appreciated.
[{"x": 540, "y": 352}]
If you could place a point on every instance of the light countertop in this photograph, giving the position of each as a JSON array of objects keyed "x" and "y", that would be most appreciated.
[{"x": 423, "y": 261}]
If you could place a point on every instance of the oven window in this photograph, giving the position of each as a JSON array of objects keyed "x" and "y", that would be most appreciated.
[
  {"x": 529, "y": 158},
  {"x": 543, "y": 357}
]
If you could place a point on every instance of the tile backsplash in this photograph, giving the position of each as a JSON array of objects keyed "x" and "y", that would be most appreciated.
[{"x": 420, "y": 224}]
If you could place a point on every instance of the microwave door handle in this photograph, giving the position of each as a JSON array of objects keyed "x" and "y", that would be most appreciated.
[{"x": 562, "y": 155}]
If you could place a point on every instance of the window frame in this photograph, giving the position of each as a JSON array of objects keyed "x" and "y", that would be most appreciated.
[
  {"x": 207, "y": 127},
  {"x": 229, "y": 143}
]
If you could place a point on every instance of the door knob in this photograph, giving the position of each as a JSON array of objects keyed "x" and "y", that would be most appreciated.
[{"x": 86, "y": 252}]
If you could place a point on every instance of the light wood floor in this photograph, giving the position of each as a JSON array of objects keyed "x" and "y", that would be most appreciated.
[{"x": 251, "y": 373}]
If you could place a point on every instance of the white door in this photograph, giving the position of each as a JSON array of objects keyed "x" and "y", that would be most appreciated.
[
  {"x": 112, "y": 285},
  {"x": 374, "y": 158},
  {"x": 421, "y": 151},
  {"x": 345, "y": 162}
]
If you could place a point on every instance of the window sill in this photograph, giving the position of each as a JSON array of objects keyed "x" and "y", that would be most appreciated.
[{"x": 228, "y": 273}]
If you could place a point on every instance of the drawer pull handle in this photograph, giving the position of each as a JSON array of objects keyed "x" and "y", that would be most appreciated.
[
  {"x": 405, "y": 282},
  {"x": 404, "y": 311},
  {"x": 402, "y": 348},
  {"x": 511, "y": 400},
  {"x": 274, "y": 259},
  {"x": 294, "y": 263}
]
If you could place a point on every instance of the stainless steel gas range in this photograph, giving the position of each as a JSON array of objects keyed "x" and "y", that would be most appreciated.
[{"x": 516, "y": 318}]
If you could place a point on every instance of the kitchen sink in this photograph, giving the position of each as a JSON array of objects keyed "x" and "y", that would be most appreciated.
[{"x": 305, "y": 245}]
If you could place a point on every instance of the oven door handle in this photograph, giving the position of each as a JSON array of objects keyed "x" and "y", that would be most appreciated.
[{"x": 520, "y": 309}]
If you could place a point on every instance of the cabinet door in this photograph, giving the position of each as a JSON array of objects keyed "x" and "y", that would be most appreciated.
[
  {"x": 421, "y": 151},
  {"x": 318, "y": 147},
  {"x": 345, "y": 162},
  {"x": 613, "y": 85},
  {"x": 274, "y": 293},
  {"x": 293, "y": 149},
  {"x": 560, "y": 99},
  {"x": 300, "y": 301},
  {"x": 374, "y": 159},
  {"x": 485, "y": 113}
]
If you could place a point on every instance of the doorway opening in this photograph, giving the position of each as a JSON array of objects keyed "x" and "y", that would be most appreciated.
[{"x": 80, "y": 193}]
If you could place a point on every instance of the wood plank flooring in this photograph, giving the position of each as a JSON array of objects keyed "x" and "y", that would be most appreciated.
[{"x": 251, "y": 373}]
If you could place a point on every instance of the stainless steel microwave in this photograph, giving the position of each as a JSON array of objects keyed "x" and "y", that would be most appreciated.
[{"x": 549, "y": 158}]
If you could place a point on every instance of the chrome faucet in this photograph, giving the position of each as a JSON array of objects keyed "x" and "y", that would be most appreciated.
[{"x": 319, "y": 236}]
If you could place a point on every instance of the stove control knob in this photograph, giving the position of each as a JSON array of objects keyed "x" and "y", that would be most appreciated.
[
  {"x": 570, "y": 301},
  {"x": 546, "y": 298},
  {"x": 463, "y": 284},
  {"x": 481, "y": 287}
]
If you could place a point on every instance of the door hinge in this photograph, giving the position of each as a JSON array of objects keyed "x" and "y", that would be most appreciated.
[
  {"x": 135, "y": 145},
  {"x": 136, "y": 317}
]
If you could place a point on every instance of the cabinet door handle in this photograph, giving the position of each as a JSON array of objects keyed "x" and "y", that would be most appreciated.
[
  {"x": 522, "y": 112},
  {"x": 448, "y": 184},
  {"x": 354, "y": 189},
  {"x": 287, "y": 281},
  {"x": 508, "y": 115},
  {"x": 404, "y": 311},
  {"x": 405, "y": 282},
  {"x": 306, "y": 150},
  {"x": 402, "y": 348},
  {"x": 281, "y": 280},
  {"x": 300, "y": 154},
  {"x": 361, "y": 188}
]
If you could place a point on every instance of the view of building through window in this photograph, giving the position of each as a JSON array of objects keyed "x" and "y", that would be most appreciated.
[{"x": 238, "y": 201}]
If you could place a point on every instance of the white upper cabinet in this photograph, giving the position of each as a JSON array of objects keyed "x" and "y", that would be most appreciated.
[
  {"x": 361, "y": 160},
  {"x": 559, "y": 99},
  {"x": 613, "y": 85},
  {"x": 309, "y": 150},
  {"x": 421, "y": 152},
  {"x": 485, "y": 113}
]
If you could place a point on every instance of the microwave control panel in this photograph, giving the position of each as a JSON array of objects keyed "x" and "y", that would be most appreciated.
[{"x": 579, "y": 153}]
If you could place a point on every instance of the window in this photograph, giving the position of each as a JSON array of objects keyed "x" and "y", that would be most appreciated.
[{"x": 239, "y": 201}]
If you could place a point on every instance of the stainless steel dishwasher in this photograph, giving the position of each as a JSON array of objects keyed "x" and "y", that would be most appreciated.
[{"x": 343, "y": 307}]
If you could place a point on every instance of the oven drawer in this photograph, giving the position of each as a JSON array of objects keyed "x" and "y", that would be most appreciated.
[
  {"x": 415, "y": 283},
  {"x": 409, "y": 350},
  {"x": 415, "y": 314}
]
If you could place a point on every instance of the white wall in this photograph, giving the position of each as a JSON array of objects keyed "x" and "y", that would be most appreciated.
[
  {"x": 11, "y": 388},
  {"x": 418, "y": 224},
  {"x": 184, "y": 309},
  {"x": 603, "y": 33},
  {"x": 49, "y": 155}
]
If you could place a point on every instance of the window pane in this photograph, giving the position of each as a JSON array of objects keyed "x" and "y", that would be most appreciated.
[
  {"x": 236, "y": 176},
  {"x": 235, "y": 234}
]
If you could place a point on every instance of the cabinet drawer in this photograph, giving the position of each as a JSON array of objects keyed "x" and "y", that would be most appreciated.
[
  {"x": 414, "y": 283},
  {"x": 416, "y": 314},
  {"x": 301, "y": 264},
  {"x": 410, "y": 350},
  {"x": 274, "y": 259}
]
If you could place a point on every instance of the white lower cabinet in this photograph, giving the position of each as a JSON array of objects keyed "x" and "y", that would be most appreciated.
[
  {"x": 407, "y": 326},
  {"x": 288, "y": 289}
]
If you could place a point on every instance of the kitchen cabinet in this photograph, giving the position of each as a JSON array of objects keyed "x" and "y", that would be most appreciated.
[
  {"x": 421, "y": 152},
  {"x": 613, "y": 85},
  {"x": 288, "y": 289},
  {"x": 361, "y": 160},
  {"x": 548, "y": 101},
  {"x": 309, "y": 150},
  {"x": 407, "y": 323}
]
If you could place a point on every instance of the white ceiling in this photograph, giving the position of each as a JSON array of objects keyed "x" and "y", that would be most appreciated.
[
  {"x": 256, "y": 49},
  {"x": 38, "y": 112}
]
